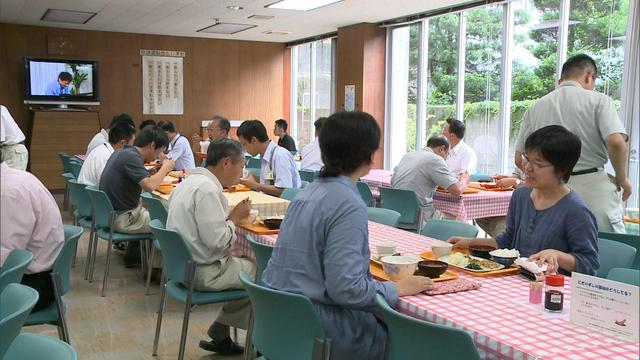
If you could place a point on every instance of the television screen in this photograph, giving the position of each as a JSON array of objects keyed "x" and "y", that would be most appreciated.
[{"x": 59, "y": 81}]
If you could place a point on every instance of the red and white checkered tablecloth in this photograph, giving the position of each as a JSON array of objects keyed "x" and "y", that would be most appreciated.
[
  {"x": 377, "y": 178},
  {"x": 473, "y": 206},
  {"x": 497, "y": 316}
]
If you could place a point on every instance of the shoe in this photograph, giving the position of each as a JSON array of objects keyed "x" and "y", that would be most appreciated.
[{"x": 225, "y": 347}]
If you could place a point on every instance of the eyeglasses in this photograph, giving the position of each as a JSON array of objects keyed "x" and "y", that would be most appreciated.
[{"x": 535, "y": 165}]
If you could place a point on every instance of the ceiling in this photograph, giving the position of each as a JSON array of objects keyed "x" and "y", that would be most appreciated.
[{"x": 184, "y": 17}]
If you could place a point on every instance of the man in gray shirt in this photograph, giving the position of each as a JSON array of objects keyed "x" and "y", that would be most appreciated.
[
  {"x": 593, "y": 118},
  {"x": 423, "y": 170}
]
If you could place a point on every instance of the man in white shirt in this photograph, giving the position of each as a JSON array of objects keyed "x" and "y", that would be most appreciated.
[
  {"x": 179, "y": 149},
  {"x": 12, "y": 148},
  {"x": 311, "y": 156},
  {"x": 198, "y": 210},
  {"x": 103, "y": 136},
  {"x": 278, "y": 170},
  {"x": 462, "y": 157},
  {"x": 30, "y": 221},
  {"x": 217, "y": 128},
  {"x": 120, "y": 134}
]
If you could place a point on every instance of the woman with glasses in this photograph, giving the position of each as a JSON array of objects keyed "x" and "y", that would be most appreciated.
[{"x": 547, "y": 221}]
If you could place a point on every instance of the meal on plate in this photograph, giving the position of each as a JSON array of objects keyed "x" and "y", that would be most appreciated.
[{"x": 471, "y": 262}]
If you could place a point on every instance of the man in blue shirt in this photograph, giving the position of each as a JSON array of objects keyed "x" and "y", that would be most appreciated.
[
  {"x": 60, "y": 86},
  {"x": 179, "y": 149}
]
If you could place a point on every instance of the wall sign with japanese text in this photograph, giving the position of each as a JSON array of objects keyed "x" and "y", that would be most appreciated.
[{"x": 162, "y": 83}]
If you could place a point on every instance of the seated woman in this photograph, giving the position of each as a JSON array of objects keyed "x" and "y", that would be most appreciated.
[
  {"x": 323, "y": 247},
  {"x": 547, "y": 221}
]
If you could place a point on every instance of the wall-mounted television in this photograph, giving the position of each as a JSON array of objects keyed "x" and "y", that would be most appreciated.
[{"x": 61, "y": 82}]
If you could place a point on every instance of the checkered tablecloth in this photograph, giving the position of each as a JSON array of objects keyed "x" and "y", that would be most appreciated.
[
  {"x": 497, "y": 316},
  {"x": 267, "y": 205},
  {"x": 473, "y": 206},
  {"x": 377, "y": 178}
]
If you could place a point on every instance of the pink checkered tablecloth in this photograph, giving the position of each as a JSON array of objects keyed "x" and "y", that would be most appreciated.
[
  {"x": 497, "y": 316},
  {"x": 377, "y": 178},
  {"x": 473, "y": 206}
]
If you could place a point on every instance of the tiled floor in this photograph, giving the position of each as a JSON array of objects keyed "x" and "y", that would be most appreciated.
[{"x": 122, "y": 324}]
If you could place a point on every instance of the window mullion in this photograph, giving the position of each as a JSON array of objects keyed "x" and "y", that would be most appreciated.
[
  {"x": 506, "y": 70},
  {"x": 563, "y": 35},
  {"x": 423, "y": 71},
  {"x": 462, "y": 47}
]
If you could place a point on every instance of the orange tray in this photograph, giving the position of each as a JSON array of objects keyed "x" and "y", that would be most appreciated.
[
  {"x": 428, "y": 255},
  {"x": 466, "y": 190},
  {"x": 635, "y": 221},
  {"x": 238, "y": 188},
  {"x": 176, "y": 174},
  {"x": 258, "y": 228},
  {"x": 378, "y": 273}
]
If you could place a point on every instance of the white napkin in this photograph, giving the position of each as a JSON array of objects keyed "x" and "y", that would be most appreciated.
[{"x": 530, "y": 265}]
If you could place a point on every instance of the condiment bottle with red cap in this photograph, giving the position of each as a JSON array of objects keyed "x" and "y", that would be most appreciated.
[{"x": 554, "y": 293}]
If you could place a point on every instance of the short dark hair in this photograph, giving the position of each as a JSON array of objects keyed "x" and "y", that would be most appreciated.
[
  {"x": 318, "y": 125},
  {"x": 151, "y": 134},
  {"x": 65, "y": 76},
  {"x": 253, "y": 128},
  {"x": 282, "y": 123},
  {"x": 223, "y": 148},
  {"x": 223, "y": 123},
  {"x": 167, "y": 125},
  {"x": 122, "y": 118},
  {"x": 340, "y": 153},
  {"x": 577, "y": 65},
  {"x": 558, "y": 146},
  {"x": 456, "y": 127},
  {"x": 121, "y": 131},
  {"x": 147, "y": 122},
  {"x": 436, "y": 141}
]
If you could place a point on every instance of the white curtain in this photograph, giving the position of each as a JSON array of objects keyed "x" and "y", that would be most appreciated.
[
  {"x": 42, "y": 74},
  {"x": 630, "y": 111}
]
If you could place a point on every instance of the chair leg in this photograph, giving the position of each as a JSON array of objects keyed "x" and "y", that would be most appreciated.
[
  {"x": 163, "y": 295},
  {"x": 105, "y": 280},
  {"x": 187, "y": 309},
  {"x": 88, "y": 259},
  {"x": 143, "y": 255},
  {"x": 149, "y": 272},
  {"x": 94, "y": 250},
  {"x": 249, "y": 353},
  {"x": 235, "y": 334},
  {"x": 65, "y": 200},
  {"x": 63, "y": 330}
]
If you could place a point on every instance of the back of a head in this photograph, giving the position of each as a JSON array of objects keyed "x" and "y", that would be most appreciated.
[
  {"x": 146, "y": 123},
  {"x": 456, "y": 127},
  {"x": 252, "y": 128},
  {"x": 558, "y": 146},
  {"x": 577, "y": 65},
  {"x": 318, "y": 125},
  {"x": 151, "y": 134},
  {"x": 122, "y": 118},
  {"x": 121, "y": 131},
  {"x": 223, "y": 123},
  {"x": 223, "y": 148},
  {"x": 438, "y": 140},
  {"x": 340, "y": 153},
  {"x": 167, "y": 126},
  {"x": 282, "y": 123}
]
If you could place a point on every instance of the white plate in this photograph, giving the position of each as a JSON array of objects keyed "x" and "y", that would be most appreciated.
[{"x": 445, "y": 258}]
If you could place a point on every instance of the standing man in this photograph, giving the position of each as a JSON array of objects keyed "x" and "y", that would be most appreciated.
[
  {"x": 199, "y": 211},
  {"x": 179, "y": 149},
  {"x": 462, "y": 157},
  {"x": 217, "y": 128},
  {"x": 103, "y": 136},
  {"x": 593, "y": 118},
  {"x": 277, "y": 170},
  {"x": 60, "y": 86},
  {"x": 280, "y": 130},
  {"x": 14, "y": 153},
  {"x": 311, "y": 156}
]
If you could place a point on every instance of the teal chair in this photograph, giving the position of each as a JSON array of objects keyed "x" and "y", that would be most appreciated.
[
  {"x": 81, "y": 202},
  {"x": 444, "y": 229},
  {"x": 61, "y": 279},
  {"x": 156, "y": 211},
  {"x": 613, "y": 254},
  {"x": 307, "y": 175},
  {"x": 262, "y": 253},
  {"x": 406, "y": 203},
  {"x": 481, "y": 177},
  {"x": 14, "y": 267},
  {"x": 365, "y": 193},
  {"x": 285, "y": 325},
  {"x": 383, "y": 216},
  {"x": 629, "y": 239},
  {"x": 17, "y": 301},
  {"x": 179, "y": 270},
  {"x": 103, "y": 217},
  {"x": 410, "y": 338},
  {"x": 627, "y": 276},
  {"x": 66, "y": 175},
  {"x": 289, "y": 193},
  {"x": 75, "y": 167}
]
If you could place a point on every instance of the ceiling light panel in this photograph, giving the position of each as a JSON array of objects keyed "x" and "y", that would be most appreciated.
[
  {"x": 300, "y": 5},
  {"x": 226, "y": 28},
  {"x": 67, "y": 16}
]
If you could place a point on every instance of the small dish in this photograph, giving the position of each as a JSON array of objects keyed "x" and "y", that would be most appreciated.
[
  {"x": 386, "y": 248},
  {"x": 441, "y": 248},
  {"x": 253, "y": 214},
  {"x": 399, "y": 267},
  {"x": 506, "y": 261},
  {"x": 272, "y": 223},
  {"x": 432, "y": 268},
  {"x": 481, "y": 251}
]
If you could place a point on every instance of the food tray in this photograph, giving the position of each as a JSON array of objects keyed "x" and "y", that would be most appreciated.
[
  {"x": 428, "y": 255},
  {"x": 238, "y": 188},
  {"x": 378, "y": 273},
  {"x": 467, "y": 190},
  {"x": 258, "y": 228},
  {"x": 176, "y": 174}
]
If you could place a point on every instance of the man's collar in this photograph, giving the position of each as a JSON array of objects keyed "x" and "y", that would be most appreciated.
[
  {"x": 569, "y": 83},
  {"x": 208, "y": 174},
  {"x": 269, "y": 151}
]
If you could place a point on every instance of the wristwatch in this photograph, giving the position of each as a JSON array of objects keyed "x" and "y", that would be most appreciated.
[{"x": 518, "y": 181}]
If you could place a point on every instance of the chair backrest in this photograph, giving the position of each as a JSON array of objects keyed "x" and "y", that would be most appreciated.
[
  {"x": 79, "y": 198},
  {"x": 481, "y": 177},
  {"x": 613, "y": 254},
  {"x": 444, "y": 229},
  {"x": 175, "y": 252},
  {"x": 628, "y": 276},
  {"x": 262, "y": 253},
  {"x": 410, "y": 338},
  {"x": 17, "y": 301},
  {"x": 75, "y": 167},
  {"x": 365, "y": 192},
  {"x": 102, "y": 208},
  {"x": 403, "y": 201},
  {"x": 64, "y": 158},
  {"x": 307, "y": 175},
  {"x": 63, "y": 262},
  {"x": 14, "y": 267},
  {"x": 629, "y": 239},
  {"x": 384, "y": 216},
  {"x": 289, "y": 193},
  {"x": 285, "y": 325},
  {"x": 155, "y": 206}
]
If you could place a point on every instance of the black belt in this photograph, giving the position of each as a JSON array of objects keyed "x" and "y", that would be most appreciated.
[
  {"x": 582, "y": 172},
  {"x": 5, "y": 144}
]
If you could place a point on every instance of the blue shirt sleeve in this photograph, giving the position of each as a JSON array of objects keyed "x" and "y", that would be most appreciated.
[{"x": 582, "y": 240}]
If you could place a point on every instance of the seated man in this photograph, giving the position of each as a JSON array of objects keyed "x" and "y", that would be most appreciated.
[
  {"x": 124, "y": 177},
  {"x": 462, "y": 157},
  {"x": 311, "y": 157},
  {"x": 146, "y": 123},
  {"x": 280, "y": 130},
  {"x": 179, "y": 149},
  {"x": 277, "y": 169},
  {"x": 30, "y": 221},
  {"x": 198, "y": 211},
  {"x": 14, "y": 153},
  {"x": 217, "y": 128},
  {"x": 423, "y": 170},
  {"x": 120, "y": 134},
  {"x": 59, "y": 86},
  {"x": 103, "y": 136}
]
